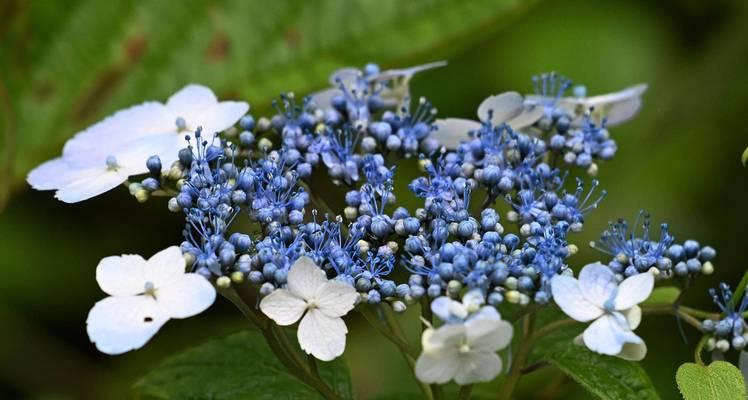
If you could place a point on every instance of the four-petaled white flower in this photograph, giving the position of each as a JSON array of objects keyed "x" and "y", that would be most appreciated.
[
  {"x": 319, "y": 304},
  {"x": 144, "y": 295},
  {"x": 598, "y": 296},
  {"x": 463, "y": 351},
  {"x": 101, "y": 157},
  {"x": 505, "y": 108}
]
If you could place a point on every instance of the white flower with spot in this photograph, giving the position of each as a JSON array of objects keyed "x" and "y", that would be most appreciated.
[
  {"x": 318, "y": 303},
  {"x": 598, "y": 296},
  {"x": 464, "y": 351},
  {"x": 144, "y": 295},
  {"x": 101, "y": 157}
]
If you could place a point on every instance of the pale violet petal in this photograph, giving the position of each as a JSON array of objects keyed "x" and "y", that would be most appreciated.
[
  {"x": 219, "y": 117},
  {"x": 634, "y": 290},
  {"x": 190, "y": 101},
  {"x": 597, "y": 283},
  {"x": 450, "y": 132},
  {"x": 89, "y": 183},
  {"x": 50, "y": 175},
  {"x": 437, "y": 367},
  {"x": 322, "y": 336},
  {"x": 568, "y": 296},
  {"x": 607, "y": 336},
  {"x": 633, "y": 316},
  {"x": 305, "y": 277},
  {"x": 120, "y": 324},
  {"x": 335, "y": 299},
  {"x": 488, "y": 335},
  {"x": 283, "y": 307},
  {"x": 529, "y": 115},
  {"x": 633, "y": 351},
  {"x": 502, "y": 107},
  {"x": 448, "y": 310},
  {"x": 121, "y": 275},
  {"x": 188, "y": 295},
  {"x": 91, "y": 146},
  {"x": 478, "y": 367},
  {"x": 165, "y": 267},
  {"x": 323, "y": 98}
]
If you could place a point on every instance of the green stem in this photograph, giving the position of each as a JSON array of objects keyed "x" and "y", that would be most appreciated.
[
  {"x": 313, "y": 366},
  {"x": 426, "y": 313},
  {"x": 699, "y": 313},
  {"x": 697, "y": 350},
  {"x": 408, "y": 353},
  {"x": 515, "y": 371},
  {"x": 465, "y": 392}
]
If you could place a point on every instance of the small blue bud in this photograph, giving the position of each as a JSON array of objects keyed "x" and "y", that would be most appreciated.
[
  {"x": 154, "y": 165},
  {"x": 707, "y": 253},
  {"x": 692, "y": 248},
  {"x": 434, "y": 291},
  {"x": 693, "y": 265},
  {"x": 387, "y": 288},
  {"x": 246, "y": 138},
  {"x": 150, "y": 184},
  {"x": 185, "y": 157},
  {"x": 247, "y": 123},
  {"x": 417, "y": 291},
  {"x": 363, "y": 284},
  {"x": 402, "y": 290},
  {"x": 256, "y": 277},
  {"x": 374, "y": 297}
]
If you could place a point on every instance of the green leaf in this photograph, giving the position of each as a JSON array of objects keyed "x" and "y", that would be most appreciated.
[
  {"x": 719, "y": 380},
  {"x": 605, "y": 376},
  {"x": 93, "y": 57},
  {"x": 737, "y": 296},
  {"x": 240, "y": 366},
  {"x": 662, "y": 296},
  {"x": 744, "y": 157}
]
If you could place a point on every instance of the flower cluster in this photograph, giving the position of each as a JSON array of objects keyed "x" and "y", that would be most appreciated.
[
  {"x": 730, "y": 331},
  {"x": 634, "y": 251}
]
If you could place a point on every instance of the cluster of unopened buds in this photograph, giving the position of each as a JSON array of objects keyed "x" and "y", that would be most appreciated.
[{"x": 499, "y": 209}]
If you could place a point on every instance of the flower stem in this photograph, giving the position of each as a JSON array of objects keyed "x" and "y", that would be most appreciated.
[
  {"x": 515, "y": 371},
  {"x": 697, "y": 350},
  {"x": 465, "y": 392}
]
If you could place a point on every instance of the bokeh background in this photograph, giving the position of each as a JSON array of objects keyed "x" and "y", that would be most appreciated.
[{"x": 66, "y": 64}]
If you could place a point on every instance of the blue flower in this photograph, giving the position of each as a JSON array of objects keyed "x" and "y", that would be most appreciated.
[{"x": 731, "y": 329}]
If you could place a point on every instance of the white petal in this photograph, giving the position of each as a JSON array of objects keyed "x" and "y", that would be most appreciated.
[
  {"x": 607, "y": 336},
  {"x": 335, "y": 298},
  {"x": 89, "y": 147},
  {"x": 633, "y": 316},
  {"x": 190, "y": 101},
  {"x": 485, "y": 312},
  {"x": 408, "y": 73},
  {"x": 530, "y": 114},
  {"x": 450, "y": 132},
  {"x": 347, "y": 76},
  {"x": 478, "y": 367},
  {"x": 503, "y": 107},
  {"x": 323, "y": 98},
  {"x": 90, "y": 183},
  {"x": 165, "y": 267},
  {"x": 634, "y": 290},
  {"x": 219, "y": 117},
  {"x": 568, "y": 296},
  {"x": 447, "y": 309},
  {"x": 132, "y": 157},
  {"x": 633, "y": 351},
  {"x": 52, "y": 174},
  {"x": 189, "y": 295},
  {"x": 322, "y": 336},
  {"x": 120, "y": 324},
  {"x": 283, "y": 307},
  {"x": 121, "y": 275},
  {"x": 447, "y": 338},
  {"x": 437, "y": 368},
  {"x": 305, "y": 277},
  {"x": 488, "y": 335},
  {"x": 597, "y": 283}
]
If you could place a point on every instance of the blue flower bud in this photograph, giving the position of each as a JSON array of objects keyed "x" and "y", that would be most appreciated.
[
  {"x": 150, "y": 184},
  {"x": 681, "y": 269},
  {"x": 184, "y": 200},
  {"x": 363, "y": 285},
  {"x": 411, "y": 225},
  {"x": 247, "y": 123},
  {"x": 246, "y": 138},
  {"x": 154, "y": 165},
  {"x": 434, "y": 291},
  {"x": 707, "y": 253},
  {"x": 415, "y": 280},
  {"x": 676, "y": 252},
  {"x": 402, "y": 290},
  {"x": 557, "y": 142},
  {"x": 256, "y": 277},
  {"x": 387, "y": 288},
  {"x": 374, "y": 297},
  {"x": 381, "y": 131},
  {"x": 280, "y": 276},
  {"x": 268, "y": 270},
  {"x": 691, "y": 248},
  {"x": 693, "y": 265},
  {"x": 495, "y": 298},
  {"x": 393, "y": 143},
  {"x": 417, "y": 291},
  {"x": 185, "y": 157}
]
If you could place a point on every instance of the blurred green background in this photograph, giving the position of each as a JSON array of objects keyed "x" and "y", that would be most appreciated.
[{"x": 66, "y": 64}]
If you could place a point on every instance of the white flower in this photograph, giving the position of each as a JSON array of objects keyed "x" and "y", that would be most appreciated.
[
  {"x": 598, "y": 296},
  {"x": 101, "y": 157},
  {"x": 464, "y": 352},
  {"x": 144, "y": 295},
  {"x": 617, "y": 107},
  {"x": 320, "y": 302},
  {"x": 505, "y": 108}
]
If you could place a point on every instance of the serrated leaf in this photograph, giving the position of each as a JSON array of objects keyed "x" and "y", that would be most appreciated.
[
  {"x": 239, "y": 366},
  {"x": 665, "y": 295},
  {"x": 717, "y": 381},
  {"x": 103, "y": 56}
]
